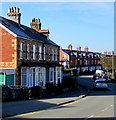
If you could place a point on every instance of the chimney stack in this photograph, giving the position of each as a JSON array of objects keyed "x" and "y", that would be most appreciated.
[
  {"x": 35, "y": 24},
  {"x": 70, "y": 47},
  {"x": 105, "y": 53},
  {"x": 86, "y": 48},
  {"x": 14, "y": 14},
  {"x": 109, "y": 53},
  {"x": 78, "y": 48}
]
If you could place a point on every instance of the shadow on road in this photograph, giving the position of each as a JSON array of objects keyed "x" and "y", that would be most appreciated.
[
  {"x": 110, "y": 118},
  {"x": 21, "y": 107}
]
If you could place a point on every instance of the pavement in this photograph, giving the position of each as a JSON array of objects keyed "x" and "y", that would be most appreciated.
[{"x": 26, "y": 106}]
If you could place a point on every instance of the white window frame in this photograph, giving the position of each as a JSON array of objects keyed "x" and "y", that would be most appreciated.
[
  {"x": 40, "y": 52},
  {"x": 58, "y": 74},
  {"x": 44, "y": 53},
  {"x": 29, "y": 77},
  {"x": 41, "y": 76},
  {"x": 34, "y": 52},
  {"x": 52, "y": 54},
  {"x": 22, "y": 74},
  {"x": 21, "y": 50},
  {"x": 51, "y": 74},
  {"x": 28, "y": 51}
]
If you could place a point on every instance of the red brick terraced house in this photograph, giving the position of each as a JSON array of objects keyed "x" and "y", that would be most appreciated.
[
  {"x": 28, "y": 56},
  {"x": 82, "y": 60}
]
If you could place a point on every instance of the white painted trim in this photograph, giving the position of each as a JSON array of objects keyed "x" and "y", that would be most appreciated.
[
  {"x": 8, "y": 68},
  {"x": 8, "y": 30}
]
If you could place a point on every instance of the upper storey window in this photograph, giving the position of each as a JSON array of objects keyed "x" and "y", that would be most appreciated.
[
  {"x": 21, "y": 50},
  {"x": 34, "y": 52},
  {"x": 44, "y": 53},
  {"x": 28, "y": 51},
  {"x": 52, "y": 54},
  {"x": 40, "y": 52}
]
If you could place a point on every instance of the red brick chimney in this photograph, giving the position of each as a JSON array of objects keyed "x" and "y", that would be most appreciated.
[
  {"x": 109, "y": 53},
  {"x": 70, "y": 47},
  {"x": 78, "y": 48},
  {"x": 14, "y": 14},
  {"x": 105, "y": 53},
  {"x": 60, "y": 47},
  {"x": 86, "y": 48},
  {"x": 35, "y": 24}
]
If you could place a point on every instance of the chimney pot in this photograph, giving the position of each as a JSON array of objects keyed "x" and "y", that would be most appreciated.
[
  {"x": 35, "y": 24},
  {"x": 105, "y": 53},
  {"x": 86, "y": 48},
  {"x": 70, "y": 47},
  {"x": 14, "y": 12},
  {"x": 78, "y": 48}
]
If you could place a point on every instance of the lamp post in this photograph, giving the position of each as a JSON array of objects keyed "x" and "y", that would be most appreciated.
[{"x": 113, "y": 65}]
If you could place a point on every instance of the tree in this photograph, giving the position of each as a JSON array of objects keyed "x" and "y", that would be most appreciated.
[{"x": 106, "y": 63}]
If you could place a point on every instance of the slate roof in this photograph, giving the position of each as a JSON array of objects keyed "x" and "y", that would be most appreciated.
[
  {"x": 71, "y": 52},
  {"x": 24, "y": 31}
]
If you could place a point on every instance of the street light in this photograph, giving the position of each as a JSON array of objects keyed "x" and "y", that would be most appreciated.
[{"x": 113, "y": 65}]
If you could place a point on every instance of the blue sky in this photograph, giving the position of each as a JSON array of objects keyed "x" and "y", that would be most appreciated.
[{"x": 78, "y": 23}]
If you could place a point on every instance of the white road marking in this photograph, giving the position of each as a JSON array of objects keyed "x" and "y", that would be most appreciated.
[
  {"x": 104, "y": 109},
  {"x": 107, "y": 108},
  {"x": 101, "y": 111},
  {"x": 111, "y": 105},
  {"x": 91, "y": 116}
]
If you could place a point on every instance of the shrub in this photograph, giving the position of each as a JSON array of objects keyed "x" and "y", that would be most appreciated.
[{"x": 69, "y": 82}]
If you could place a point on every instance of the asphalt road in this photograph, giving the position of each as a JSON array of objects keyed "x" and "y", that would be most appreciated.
[{"x": 98, "y": 105}]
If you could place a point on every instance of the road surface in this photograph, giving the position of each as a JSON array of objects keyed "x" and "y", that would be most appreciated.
[{"x": 98, "y": 105}]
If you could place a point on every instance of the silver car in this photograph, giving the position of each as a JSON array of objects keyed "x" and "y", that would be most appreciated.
[{"x": 100, "y": 84}]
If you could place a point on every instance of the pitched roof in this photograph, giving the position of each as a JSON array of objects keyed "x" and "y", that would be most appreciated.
[
  {"x": 24, "y": 31},
  {"x": 71, "y": 52}
]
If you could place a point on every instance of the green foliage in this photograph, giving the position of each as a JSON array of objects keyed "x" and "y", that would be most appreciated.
[
  {"x": 106, "y": 63},
  {"x": 69, "y": 69},
  {"x": 73, "y": 71},
  {"x": 109, "y": 63}
]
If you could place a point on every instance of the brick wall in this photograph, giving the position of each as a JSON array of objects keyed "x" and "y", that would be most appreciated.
[{"x": 8, "y": 50}]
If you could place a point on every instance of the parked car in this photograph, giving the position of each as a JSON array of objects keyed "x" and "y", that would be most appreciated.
[
  {"x": 106, "y": 78},
  {"x": 96, "y": 76},
  {"x": 100, "y": 84}
]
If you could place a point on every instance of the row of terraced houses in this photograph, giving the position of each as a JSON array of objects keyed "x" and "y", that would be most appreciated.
[{"x": 30, "y": 58}]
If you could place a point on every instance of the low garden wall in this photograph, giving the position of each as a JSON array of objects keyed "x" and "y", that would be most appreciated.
[{"x": 12, "y": 93}]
